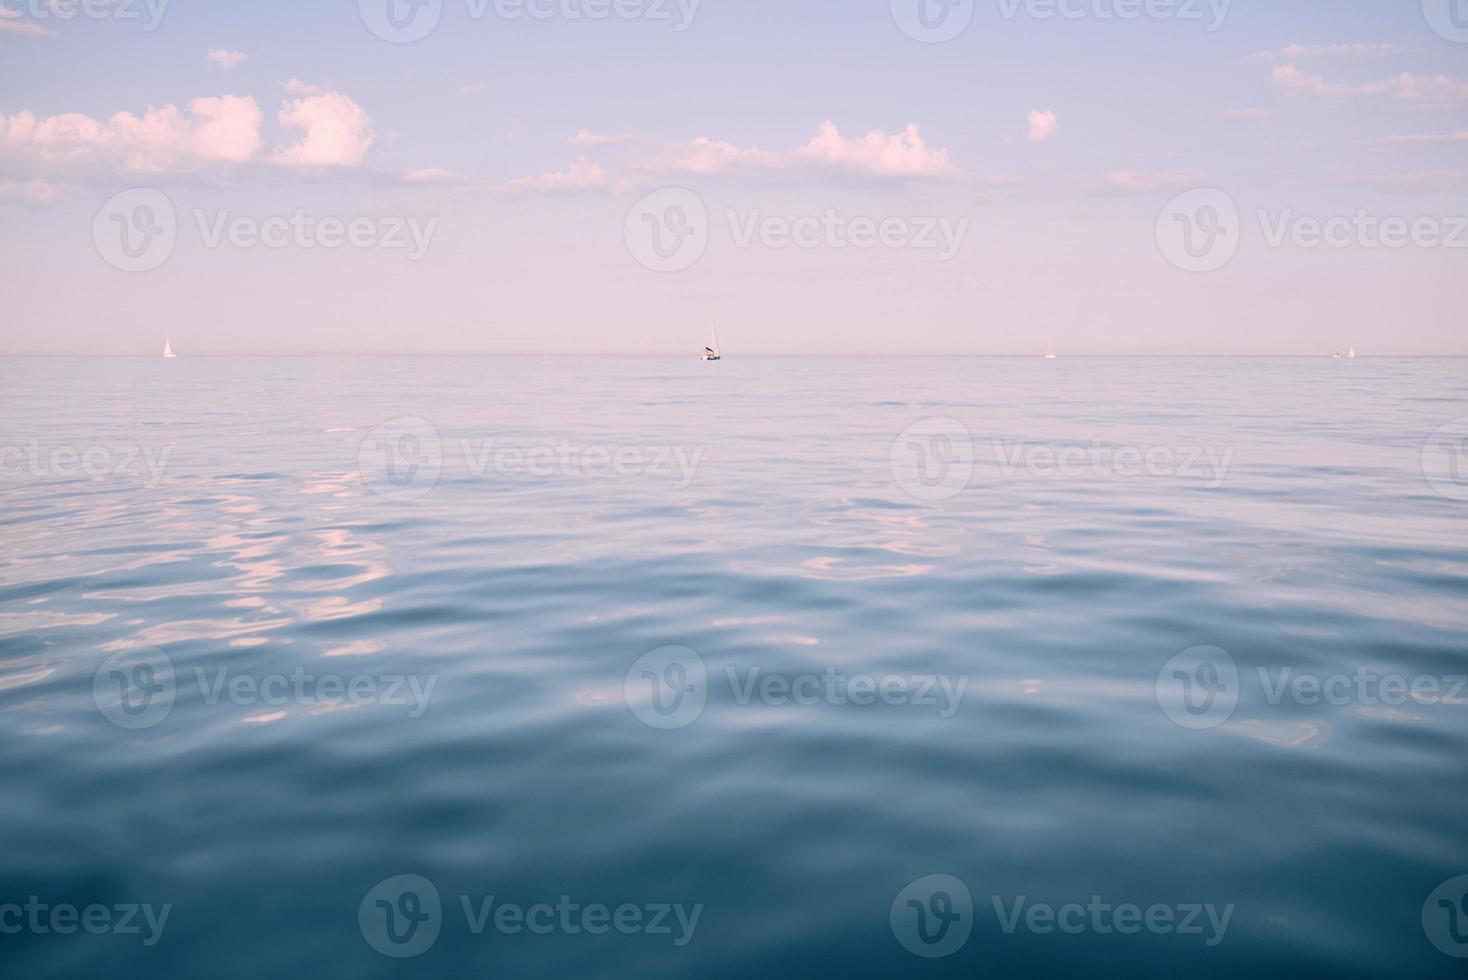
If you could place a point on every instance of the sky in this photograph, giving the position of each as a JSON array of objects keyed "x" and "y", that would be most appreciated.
[{"x": 1221, "y": 177}]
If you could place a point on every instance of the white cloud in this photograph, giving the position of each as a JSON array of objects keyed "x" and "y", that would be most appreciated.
[
  {"x": 1292, "y": 52},
  {"x": 587, "y": 138},
  {"x": 1042, "y": 125},
  {"x": 1423, "y": 182},
  {"x": 1141, "y": 181},
  {"x": 1459, "y": 137},
  {"x": 581, "y": 176},
  {"x": 1249, "y": 113},
  {"x": 13, "y": 22},
  {"x": 297, "y": 87},
  {"x": 900, "y": 154},
  {"x": 226, "y": 60},
  {"x": 903, "y": 154},
  {"x": 432, "y": 175},
  {"x": 469, "y": 90},
  {"x": 1435, "y": 90},
  {"x": 37, "y": 193},
  {"x": 222, "y": 129},
  {"x": 334, "y": 131}
]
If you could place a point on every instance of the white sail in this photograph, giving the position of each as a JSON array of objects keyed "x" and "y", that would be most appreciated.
[
  {"x": 715, "y": 346},
  {"x": 168, "y": 349},
  {"x": 1352, "y": 354}
]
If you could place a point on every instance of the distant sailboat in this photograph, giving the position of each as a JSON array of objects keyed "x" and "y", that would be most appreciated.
[
  {"x": 1050, "y": 351},
  {"x": 712, "y": 352},
  {"x": 1336, "y": 355},
  {"x": 1352, "y": 355},
  {"x": 168, "y": 349}
]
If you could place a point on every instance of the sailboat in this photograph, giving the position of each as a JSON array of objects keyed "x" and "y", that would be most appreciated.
[
  {"x": 1050, "y": 351},
  {"x": 1352, "y": 355},
  {"x": 168, "y": 349},
  {"x": 711, "y": 353}
]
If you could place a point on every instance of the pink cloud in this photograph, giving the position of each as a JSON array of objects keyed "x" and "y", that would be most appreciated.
[
  {"x": 900, "y": 154},
  {"x": 1042, "y": 126},
  {"x": 1438, "y": 90},
  {"x": 582, "y": 175},
  {"x": 334, "y": 131}
]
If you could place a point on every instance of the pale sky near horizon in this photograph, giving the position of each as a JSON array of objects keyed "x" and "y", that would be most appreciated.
[{"x": 841, "y": 184}]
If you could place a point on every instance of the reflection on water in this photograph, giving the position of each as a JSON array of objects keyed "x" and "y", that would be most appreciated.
[{"x": 207, "y": 680}]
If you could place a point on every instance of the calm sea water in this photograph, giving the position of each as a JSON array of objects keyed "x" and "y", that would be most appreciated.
[{"x": 1097, "y": 633}]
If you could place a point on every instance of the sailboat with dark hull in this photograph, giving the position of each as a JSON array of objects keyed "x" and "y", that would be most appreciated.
[{"x": 712, "y": 352}]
